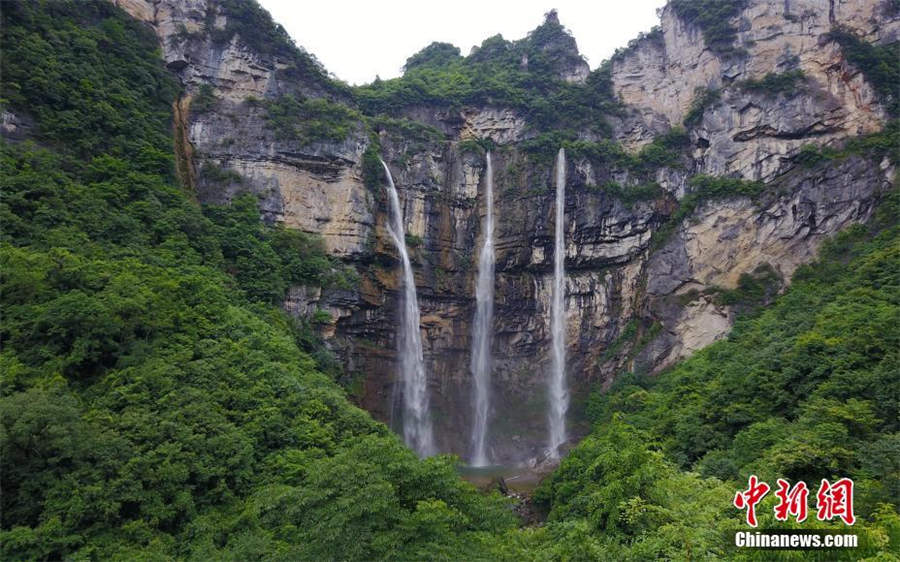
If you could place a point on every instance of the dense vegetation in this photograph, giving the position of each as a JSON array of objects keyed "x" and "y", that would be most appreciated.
[
  {"x": 101, "y": 78},
  {"x": 308, "y": 120},
  {"x": 776, "y": 83},
  {"x": 266, "y": 260},
  {"x": 665, "y": 150},
  {"x": 154, "y": 405},
  {"x": 885, "y": 143},
  {"x": 495, "y": 74}
]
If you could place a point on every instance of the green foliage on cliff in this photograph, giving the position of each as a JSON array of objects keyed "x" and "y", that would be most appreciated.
[
  {"x": 655, "y": 35},
  {"x": 713, "y": 17},
  {"x": 205, "y": 99},
  {"x": 879, "y": 63},
  {"x": 309, "y": 120},
  {"x": 665, "y": 150},
  {"x": 776, "y": 83},
  {"x": 266, "y": 260},
  {"x": 705, "y": 188},
  {"x": 885, "y": 143},
  {"x": 373, "y": 172},
  {"x": 633, "y": 193},
  {"x": 256, "y": 28},
  {"x": 405, "y": 129},
  {"x": 522, "y": 75},
  {"x": 703, "y": 99},
  {"x": 153, "y": 405},
  {"x": 753, "y": 289},
  {"x": 413, "y": 241}
]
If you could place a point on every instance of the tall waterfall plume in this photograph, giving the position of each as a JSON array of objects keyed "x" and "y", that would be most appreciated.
[
  {"x": 483, "y": 329},
  {"x": 417, "y": 430},
  {"x": 559, "y": 393}
]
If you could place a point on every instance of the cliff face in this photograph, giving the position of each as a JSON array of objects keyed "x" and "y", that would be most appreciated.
[
  {"x": 643, "y": 289},
  {"x": 316, "y": 188},
  {"x": 751, "y": 134}
]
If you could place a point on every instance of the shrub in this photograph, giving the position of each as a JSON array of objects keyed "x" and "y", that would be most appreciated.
[
  {"x": 214, "y": 173},
  {"x": 753, "y": 290},
  {"x": 372, "y": 171},
  {"x": 713, "y": 17},
  {"x": 634, "y": 193},
  {"x": 413, "y": 241},
  {"x": 665, "y": 150},
  {"x": 321, "y": 317},
  {"x": 773, "y": 84},
  {"x": 655, "y": 35},
  {"x": 205, "y": 99},
  {"x": 703, "y": 99},
  {"x": 256, "y": 28},
  {"x": 879, "y": 63},
  {"x": 308, "y": 120},
  {"x": 885, "y": 143}
]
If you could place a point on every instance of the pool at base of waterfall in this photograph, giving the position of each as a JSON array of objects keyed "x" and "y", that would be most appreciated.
[{"x": 523, "y": 479}]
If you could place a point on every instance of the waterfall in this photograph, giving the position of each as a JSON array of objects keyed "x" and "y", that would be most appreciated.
[
  {"x": 416, "y": 416},
  {"x": 483, "y": 328},
  {"x": 559, "y": 394}
]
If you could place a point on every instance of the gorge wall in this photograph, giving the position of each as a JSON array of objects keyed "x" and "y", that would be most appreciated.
[{"x": 646, "y": 274}]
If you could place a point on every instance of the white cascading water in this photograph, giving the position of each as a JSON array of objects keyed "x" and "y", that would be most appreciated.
[
  {"x": 417, "y": 430},
  {"x": 483, "y": 328},
  {"x": 559, "y": 394}
]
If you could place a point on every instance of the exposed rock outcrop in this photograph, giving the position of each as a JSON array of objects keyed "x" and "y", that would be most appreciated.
[
  {"x": 751, "y": 134},
  {"x": 313, "y": 187},
  {"x": 660, "y": 74},
  {"x": 727, "y": 239}
]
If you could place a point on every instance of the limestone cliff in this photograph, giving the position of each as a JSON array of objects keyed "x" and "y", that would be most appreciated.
[
  {"x": 316, "y": 188},
  {"x": 747, "y": 133},
  {"x": 644, "y": 282}
]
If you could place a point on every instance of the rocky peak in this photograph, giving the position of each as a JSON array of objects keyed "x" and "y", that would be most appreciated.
[{"x": 551, "y": 47}]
